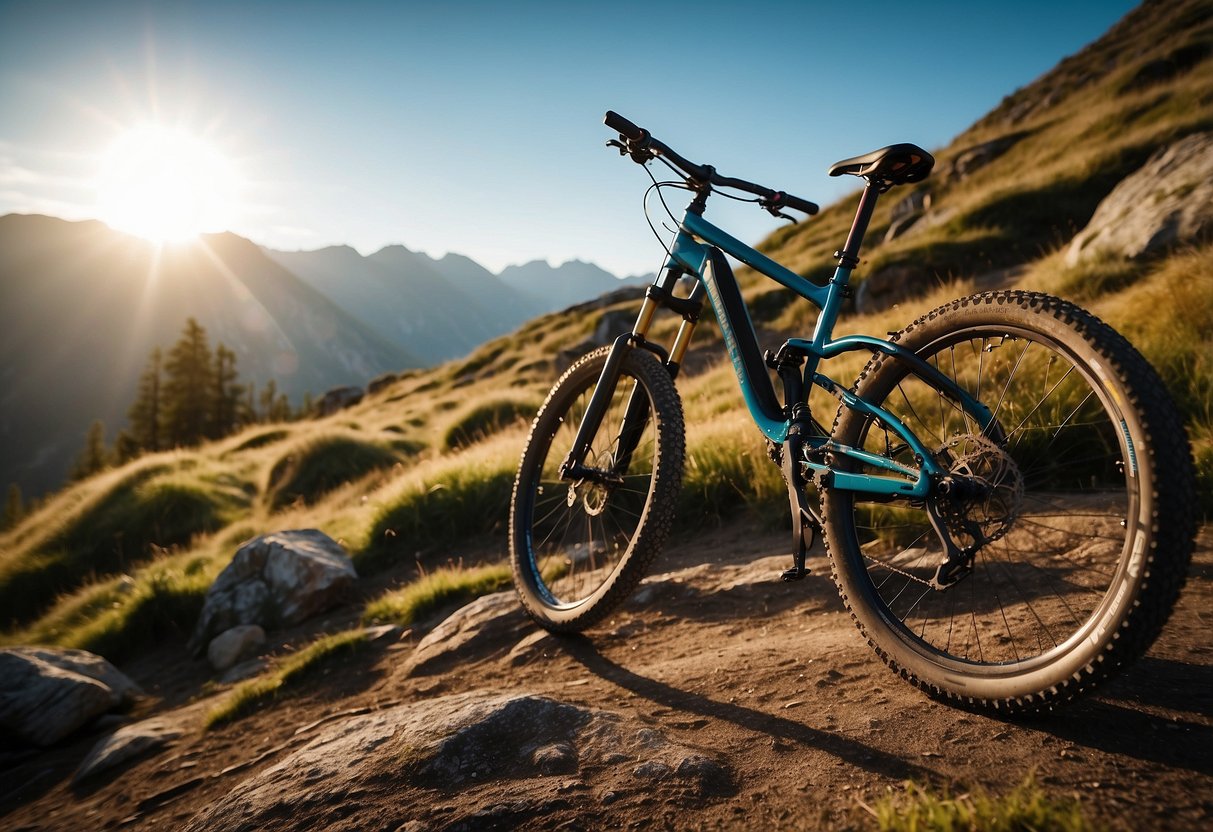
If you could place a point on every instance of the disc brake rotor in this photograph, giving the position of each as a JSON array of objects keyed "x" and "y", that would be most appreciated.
[{"x": 987, "y": 492}]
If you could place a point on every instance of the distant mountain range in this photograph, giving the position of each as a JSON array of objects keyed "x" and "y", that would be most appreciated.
[{"x": 82, "y": 306}]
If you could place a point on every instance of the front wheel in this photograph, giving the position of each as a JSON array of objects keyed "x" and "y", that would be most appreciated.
[
  {"x": 1077, "y": 499},
  {"x": 578, "y": 547}
]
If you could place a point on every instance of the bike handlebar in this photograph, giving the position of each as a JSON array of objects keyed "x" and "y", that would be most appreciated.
[{"x": 642, "y": 146}]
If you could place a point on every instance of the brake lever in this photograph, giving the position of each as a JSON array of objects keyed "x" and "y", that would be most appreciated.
[
  {"x": 623, "y": 148},
  {"x": 775, "y": 212}
]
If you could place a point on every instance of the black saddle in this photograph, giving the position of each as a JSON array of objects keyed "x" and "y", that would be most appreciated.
[{"x": 889, "y": 166}]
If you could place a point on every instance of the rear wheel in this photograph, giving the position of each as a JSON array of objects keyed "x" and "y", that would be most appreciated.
[
  {"x": 1078, "y": 499},
  {"x": 579, "y": 547}
]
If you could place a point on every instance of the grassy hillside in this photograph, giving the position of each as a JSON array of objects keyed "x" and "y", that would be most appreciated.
[{"x": 419, "y": 474}]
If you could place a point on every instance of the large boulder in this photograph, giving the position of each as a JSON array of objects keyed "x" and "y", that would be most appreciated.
[
  {"x": 275, "y": 580},
  {"x": 47, "y": 693},
  {"x": 1168, "y": 201},
  {"x": 448, "y": 762}
]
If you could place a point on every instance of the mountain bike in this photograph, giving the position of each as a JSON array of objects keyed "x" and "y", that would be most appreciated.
[{"x": 1005, "y": 493}]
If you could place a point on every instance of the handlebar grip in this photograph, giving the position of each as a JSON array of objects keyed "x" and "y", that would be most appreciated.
[
  {"x": 799, "y": 204},
  {"x": 622, "y": 126}
]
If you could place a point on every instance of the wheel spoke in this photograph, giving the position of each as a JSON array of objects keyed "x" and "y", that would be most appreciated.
[{"x": 1046, "y": 569}]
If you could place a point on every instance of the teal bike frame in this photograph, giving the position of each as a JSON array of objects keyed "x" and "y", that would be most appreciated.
[
  {"x": 692, "y": 252},
  {"x": 804, "y": 449}
]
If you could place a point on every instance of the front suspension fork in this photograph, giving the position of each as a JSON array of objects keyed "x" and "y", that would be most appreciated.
[{"x": 637, "y": 414}]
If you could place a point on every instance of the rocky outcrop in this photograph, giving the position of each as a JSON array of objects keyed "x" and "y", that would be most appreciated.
[
  {"x": 488, "y": 625},
  {"x": 47, "y": 693},
  {"x": 446, "y": 759},
  {"x": 276, "y": 579},
  {"x": 1166, "y": 202},
  {"x": 338, "y": 398},
  {"x": 381, "y": 382},
  {"x": 610, "y": 326},
  {"x": 973, "y": 158}
]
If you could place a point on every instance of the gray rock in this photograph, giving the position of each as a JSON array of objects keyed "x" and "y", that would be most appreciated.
[
  {"x": 557, "y": 758},
  {"x": 384, "y": 632},
  {"x": 488, "y": 625},
  {"x": 458, "y": 744},
  {"x": 901, "y": 225},
  {"x": 87, "y": 664},
  {"x": 381, "y": 382},
  {"x": 125, "y": 744},
  {"x": 610, "y": 326},
  {"x": 234, "y": 644},
  {"x": 973, "y": 158},
  {"x": 531, "y": 647},
  {"x": 337, "y": 399},
  {"x": 1168, "y": 201},
  {"x": 46, "y": 694},
  {"x": 276, "y": 579},
  {"x": 652, "y": 770}
]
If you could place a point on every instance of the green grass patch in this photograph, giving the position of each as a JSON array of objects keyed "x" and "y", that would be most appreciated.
[
  {"x": 1096, "y": 277},
  {"x": 467, "y": 498},
  {"x": 443, "y": 587},
  {"x": 132, "y": 521},
  {"x": 260, "y": 440},
  {"x": 315, "y": 468},
  {"x": 1025, "y": 809},
  {"x": 728, "y": 473},
  {"x": 122, "y": 616},
  {"x": 251, "y": 695},
  {"x": 485, "y": 419}
]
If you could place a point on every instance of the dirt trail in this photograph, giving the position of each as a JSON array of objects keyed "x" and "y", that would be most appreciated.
[{"x": 772, "y": 679}]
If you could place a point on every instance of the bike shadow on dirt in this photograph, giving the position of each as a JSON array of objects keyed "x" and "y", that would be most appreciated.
[
  {"x": 858, "y": 754},
  {"x": 1123, "y": 718}
]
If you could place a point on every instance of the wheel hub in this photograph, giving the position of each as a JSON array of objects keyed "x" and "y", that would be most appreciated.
[
  {"x": 593, "y": 493},
  {"x": 983, "y": 493}
]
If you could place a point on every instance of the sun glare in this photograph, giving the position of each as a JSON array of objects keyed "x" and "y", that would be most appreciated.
[{"x": 164, "y": 184}]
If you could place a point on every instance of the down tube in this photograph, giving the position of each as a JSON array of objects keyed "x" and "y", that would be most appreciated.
[{"x": 742, "y": 346}]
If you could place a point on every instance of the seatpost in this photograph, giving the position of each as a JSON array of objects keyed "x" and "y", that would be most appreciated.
[{"x": 848, "y": 258}]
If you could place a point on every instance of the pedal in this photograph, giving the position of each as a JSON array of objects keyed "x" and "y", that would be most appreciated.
[{"x": 796, "y": 573}]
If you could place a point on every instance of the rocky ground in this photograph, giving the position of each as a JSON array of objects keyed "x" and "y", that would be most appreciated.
[{"x": 718, "y": 697}]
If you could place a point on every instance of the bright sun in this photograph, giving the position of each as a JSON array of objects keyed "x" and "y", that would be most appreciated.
[{"x": 165, "y": 184}]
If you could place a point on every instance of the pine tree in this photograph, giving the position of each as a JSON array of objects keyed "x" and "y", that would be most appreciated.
[
  {"x": 126, "y": 447},
  {"x": 280, "y": 411},
  {"x": 188, "y": 393},
  {"x": 269, "y": 396},
  {"x": 146, "y": 413},
  {"x": 93, "y": 457},
  {"x": 228, "y": 395},
  {"x": 250, "y": 404},
  {"x": 14, "y": 507}
]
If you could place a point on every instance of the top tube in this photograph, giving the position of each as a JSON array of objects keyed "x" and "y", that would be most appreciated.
[{"x": 704, "y": 230}]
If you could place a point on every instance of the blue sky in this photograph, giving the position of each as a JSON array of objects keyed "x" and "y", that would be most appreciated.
[{"x": 476, "y": 126}]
